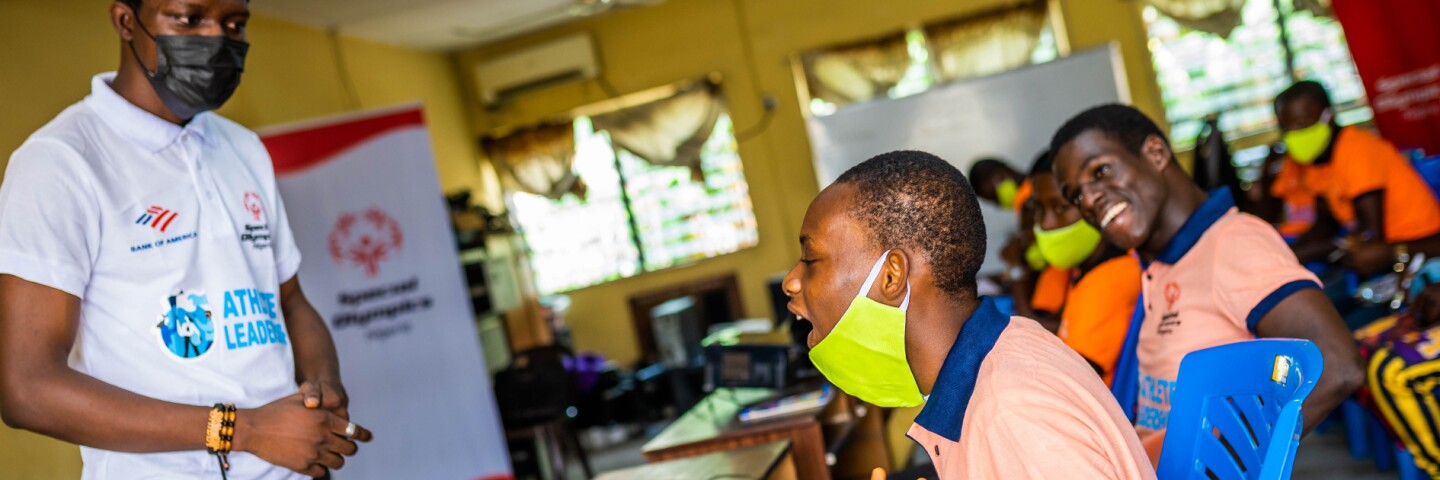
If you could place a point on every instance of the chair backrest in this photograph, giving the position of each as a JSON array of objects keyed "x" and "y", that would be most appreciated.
[
  {"x": 1429, "y": 169},
  {"x": 1235, "y": 410}
]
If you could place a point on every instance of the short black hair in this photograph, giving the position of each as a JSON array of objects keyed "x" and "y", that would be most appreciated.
[
  {"x": 982, "y": 169},
  {"x": 1310, "y": 89},
  {"x": 919, "y": 202},
  {"x": 1122, "y": 123},
  {"x": 1044, "y": 163}
]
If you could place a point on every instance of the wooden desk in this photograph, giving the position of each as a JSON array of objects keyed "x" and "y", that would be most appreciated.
[
  {"x": 771, "y": 461},
  {"x": 711, "y": 426}
]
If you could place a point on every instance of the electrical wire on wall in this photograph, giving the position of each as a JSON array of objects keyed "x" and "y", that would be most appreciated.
[
  {"x": 768, "y": 103},
  {"x": 742, "y": 24},
  {"x": 347, "y": 82}
]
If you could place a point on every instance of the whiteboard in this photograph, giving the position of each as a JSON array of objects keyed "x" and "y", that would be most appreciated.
[{"x": 1009, "y": 115}]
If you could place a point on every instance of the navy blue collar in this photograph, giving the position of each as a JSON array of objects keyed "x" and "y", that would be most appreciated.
[
  {"x": 1219, "y": 203},
  {"x": 944, "y": 411}
]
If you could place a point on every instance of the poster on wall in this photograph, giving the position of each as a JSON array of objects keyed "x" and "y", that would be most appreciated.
[
  {"x": 1394, "y": 44},
  {"x": 380, "y": 265}
]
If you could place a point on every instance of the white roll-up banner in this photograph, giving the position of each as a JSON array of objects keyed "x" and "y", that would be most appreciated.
[{"x": 379, "y": 263}]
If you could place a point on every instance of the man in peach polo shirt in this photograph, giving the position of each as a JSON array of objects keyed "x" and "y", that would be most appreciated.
[
  {"x": 1212, "y": 275},
  {"x": 1006, "y": 398}
]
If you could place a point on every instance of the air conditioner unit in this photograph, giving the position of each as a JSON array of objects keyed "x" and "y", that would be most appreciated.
[{"x": 560, "y": 61}]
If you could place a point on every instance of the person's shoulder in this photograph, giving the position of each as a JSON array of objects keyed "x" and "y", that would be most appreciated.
[
  {"x": 244, "y": 141},
  {"x": 64, "y": 146},
  {"x": 1363, "y": 145},
  {"x": 231, "y": 129},
  {"x": 1241, "y": 237},
  {"x": 1120, "y": 267},
  {"x": 1026, "y": 353},
  {"x": 1242, "y": 230},
  {"x": 1359, "y": 135},
  {"x": 69, "y": 131}
]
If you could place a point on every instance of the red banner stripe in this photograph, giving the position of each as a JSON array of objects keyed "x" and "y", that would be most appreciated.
[{"x": 302, "y": 149}]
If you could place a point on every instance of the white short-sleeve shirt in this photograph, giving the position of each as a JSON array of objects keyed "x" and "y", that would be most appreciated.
[{"x": 176, "y": 242}]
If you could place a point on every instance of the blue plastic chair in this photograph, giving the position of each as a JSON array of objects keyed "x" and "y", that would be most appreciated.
[
  {"x": 1429, "y": 170},
  {"x": 1235, "y": 410},
  {"x": 1405, "y": 462}
]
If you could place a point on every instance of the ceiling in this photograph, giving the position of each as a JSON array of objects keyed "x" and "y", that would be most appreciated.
[{"x": 431, "y": 24}]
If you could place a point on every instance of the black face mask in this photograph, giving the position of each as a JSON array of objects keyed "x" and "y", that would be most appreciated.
[{"x": 193, "y": 73}]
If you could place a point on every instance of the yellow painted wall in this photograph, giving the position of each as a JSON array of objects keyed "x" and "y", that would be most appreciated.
[
  {"x": 684, "y": 39},
  {"x": 53, "y": 47}
]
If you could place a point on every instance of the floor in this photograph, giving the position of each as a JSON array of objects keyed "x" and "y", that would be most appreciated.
[{"x": 1322, "y": 456}]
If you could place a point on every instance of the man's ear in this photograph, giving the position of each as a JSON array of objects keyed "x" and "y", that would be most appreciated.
[
  {"x": 122, "y": 19},
  {"x": 1157, "y": 152},
  {"x": 894, "y": 276}
]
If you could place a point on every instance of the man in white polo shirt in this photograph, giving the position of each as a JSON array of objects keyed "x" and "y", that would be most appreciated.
[{"x": 147, "y": 273}]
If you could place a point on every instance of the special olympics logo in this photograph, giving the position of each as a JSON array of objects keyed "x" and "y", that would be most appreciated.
[
  {"x": 253, "y": 205},
  {"x": 186, "y": 333},
  {"x": 1172, "y": 295},
  {"x": 365, "y": 239}
]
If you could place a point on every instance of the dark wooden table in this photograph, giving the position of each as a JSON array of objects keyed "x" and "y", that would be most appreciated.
[
  {"x": 711, "y": 426},
  {"x": 770, "y": 461}
]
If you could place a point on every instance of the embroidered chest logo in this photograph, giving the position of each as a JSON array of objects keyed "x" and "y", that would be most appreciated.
[
  {"x": 156, "y": 217},
  {"x": 187, "y": 331},
  {"x": 253, "y": 205},
  {"x": 1171, "y": 318},
  {"x": 365, "y": 240}
]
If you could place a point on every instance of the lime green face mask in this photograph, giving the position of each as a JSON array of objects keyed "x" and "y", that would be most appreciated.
[
  {"x": 1005, "y": 193},
  {"x": 1067, "y": 246},
  {"x": 1034, "y": 258},
  {"x": 1306, "y": 144},
  {"x": 864, "y": 354}
]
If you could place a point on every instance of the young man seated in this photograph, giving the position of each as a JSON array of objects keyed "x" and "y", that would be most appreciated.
[
  {"x": 1362, "y": 183},
  {"x": 1212, "y": 275},
  {"x": 998, "y": 183},
  {"x": 1104, "y": 283},
  {"x": 889, "y": 255},
  {"x": 1038, "y": 290}
]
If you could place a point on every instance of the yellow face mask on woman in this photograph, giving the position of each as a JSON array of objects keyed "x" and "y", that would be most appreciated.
[
  {"x": 1006, "y": 192},
  {"x": 1307, "y": 144},
  {"x": 1067, "y": 246},
  {"x": 864, "y": 354}
]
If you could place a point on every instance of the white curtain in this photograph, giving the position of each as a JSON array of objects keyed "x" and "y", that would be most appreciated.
[
  {"x": 1219, "y": 17},
  {"x": 857, "y": 72},
  {"x": 987, "y": 44},
  {"x": 537, "y": 160},
  {"x": 669, "y": 131}
]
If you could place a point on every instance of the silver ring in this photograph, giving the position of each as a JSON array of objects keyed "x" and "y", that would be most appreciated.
[{"x": 350, "y": 429}]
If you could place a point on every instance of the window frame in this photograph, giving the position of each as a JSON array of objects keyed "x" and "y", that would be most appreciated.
[
  {"x": 627, "y": 203},
  {"x": 1351, "y": 112}
]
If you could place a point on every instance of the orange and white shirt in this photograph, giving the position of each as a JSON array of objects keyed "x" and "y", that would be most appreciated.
[
  {"x": 1219, "y": 276},
  {"x": 1013, "y": 402}
]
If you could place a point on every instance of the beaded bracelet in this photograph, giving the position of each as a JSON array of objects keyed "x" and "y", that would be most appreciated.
[{"x": 220, "y": 433}]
